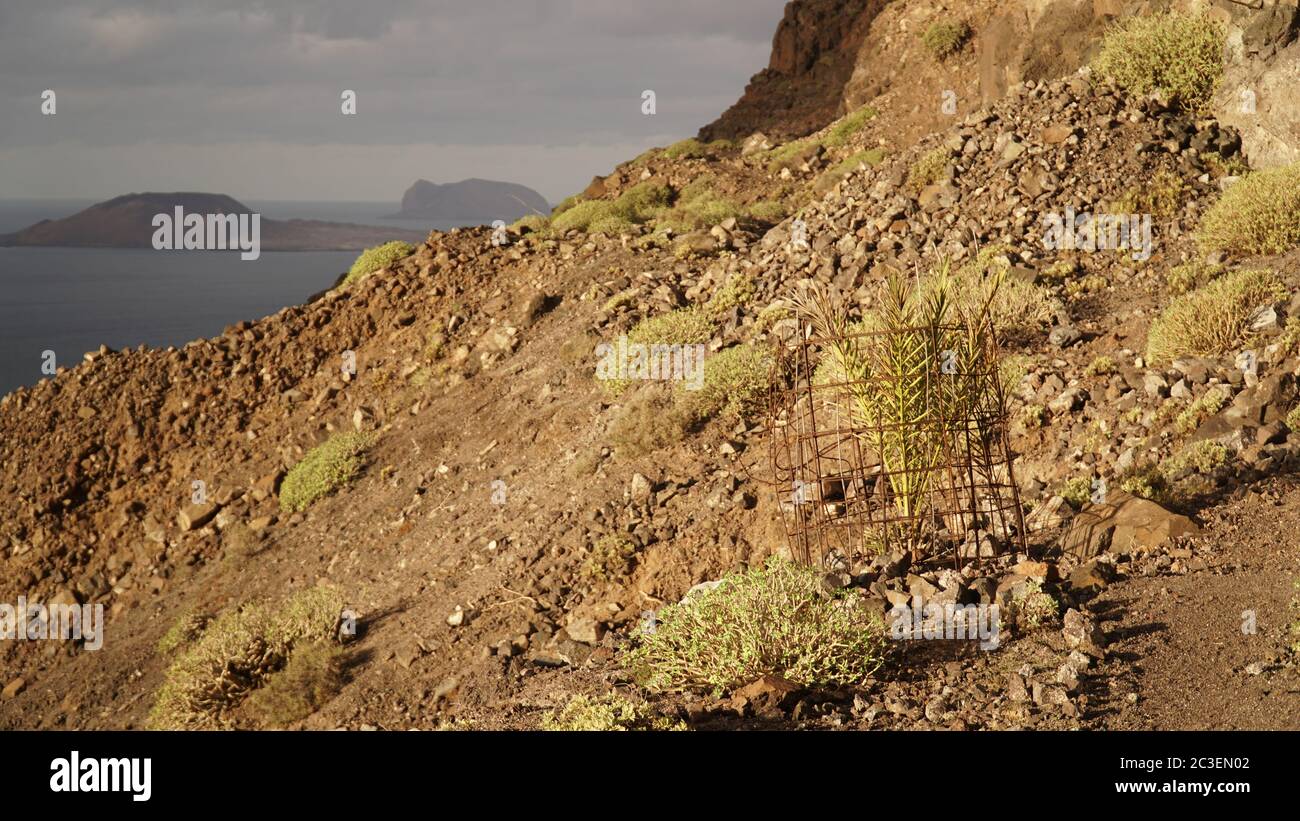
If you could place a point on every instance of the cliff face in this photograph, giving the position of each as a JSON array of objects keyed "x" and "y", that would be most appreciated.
[
  {"x": 814, "y": 52},
  {"x": 472, "y": 199},
  {"x": 832, "y": 56}
]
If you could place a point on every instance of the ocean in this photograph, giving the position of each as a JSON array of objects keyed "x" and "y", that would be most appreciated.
[{"x": 72, "y": 300}]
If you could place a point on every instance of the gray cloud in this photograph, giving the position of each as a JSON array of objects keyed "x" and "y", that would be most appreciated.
[{"x": 198, "y": 82}]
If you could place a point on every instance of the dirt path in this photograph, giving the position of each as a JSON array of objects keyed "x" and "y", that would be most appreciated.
[{"x": 1177, "y": 641}]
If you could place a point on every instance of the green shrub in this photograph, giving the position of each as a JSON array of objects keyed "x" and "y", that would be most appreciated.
[
  {"x": 1211, "y": 319},
  {"x": 684, "y": 326},
  {"x": 323, "y": 470},
  {"x": 735, "y": 384},
  {"x": 946, "y": 37},
  {"x": 1260, "y": 214},
  {"x": 1179, "y": 53},
  {"x": 312, "y": 676},
  {"x": 1205, "y": 406},
  {"x": 772, "y": 620},
  {"x": 847, "y": 126},
  {"x": 1101, "y": 366},
  {"x": 237, "y": 652},
  {"x": 769, "y": 211},
  {"x": 373, "y": 259},
  {"x": 1017, "y": 305},
  {"x": 1202, "y": 457},
  {"x": 565, "y": 205},
  {"x": 1161, "y": 196},
  {"x": 636, "y": 205},
  {"x": 1077, "y": 491},
  {"x": 694, "y": 149},
  {"x": 647, "y": 424},
  {"x": 1034, "y": 608},
  {"x": 610, "y": 712},
  {"x": 737, "y": 291},
  {"x": 928, "y": 169},
  {"x": 532, "y": 224},
  {"x": 611, "y": 557},
  {"x": 581, "y": 215},
  {"x": 1293, "y": 419},
  {"x": 1191, "y": 275},
  {"x": 184, "y": 631}
]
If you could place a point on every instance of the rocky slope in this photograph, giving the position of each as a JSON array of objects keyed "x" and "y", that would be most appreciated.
[{"x": 500, "y": 464}]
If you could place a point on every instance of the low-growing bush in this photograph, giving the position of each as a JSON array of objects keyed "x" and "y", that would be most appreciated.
[
  {"x": 946, "y": 37},
  {"x": 737, "y": 291},
  {"x": 1101, "y": 366},
  {"x": 1260, "y": 214},
  {"x": 610, "y": 557},
  {"x": 928, "y": 169},
  {"x": 778, "y": 619},
  {"x": 736, "y": 382},
  {"x": 236, "y": 654},
  {"x": 373, "y": 259},
  {"x": 1018, "y": 306},
  {"x": 1191, "y": 275},
  {"x": 1205, "y": 406},
  {"x": 769, "y": 211},
  {"x": 607, "y": 713},
  {"x": 1178, "y": 53},
  {"x": 1211, "y": 319},
  {"x": 312, "y": 676},
  {"x": 847, "y": 126},
  {"x": 326, "y": 468}
]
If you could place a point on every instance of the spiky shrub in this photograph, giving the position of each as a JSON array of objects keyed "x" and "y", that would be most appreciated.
[
  {"x": 1211, "y": 319},
  {"x": 1016, "y": 306},
  {"x": 373, "y": 259},
  {"x": 946, "y": 37},
  {"x": 777, "y": 619},
  {"x": 916, "y": 378},
  {"x": 607, "y": 713},
  {"x": 326, "y": 468},
  {"x": 311, "y": 677},
  {"x": 1179, "y": 53},
  {"x": 1260, "y": 214},
  {"x": 236, "y": 654}
]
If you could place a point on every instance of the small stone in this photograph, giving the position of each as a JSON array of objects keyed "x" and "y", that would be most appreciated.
[{"x": 13, "y": 688}]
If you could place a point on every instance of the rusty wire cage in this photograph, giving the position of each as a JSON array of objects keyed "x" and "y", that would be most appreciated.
[{"x": 857, "y": 476}]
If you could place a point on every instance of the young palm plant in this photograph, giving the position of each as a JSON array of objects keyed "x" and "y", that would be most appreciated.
[{"x": 915, "y": 381}]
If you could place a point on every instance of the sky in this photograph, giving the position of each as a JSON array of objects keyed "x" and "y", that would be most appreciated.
[{"x": 245, "y": 98}]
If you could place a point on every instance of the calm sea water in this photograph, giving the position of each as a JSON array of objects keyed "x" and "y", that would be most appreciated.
[{"x": 72, "y": 300}]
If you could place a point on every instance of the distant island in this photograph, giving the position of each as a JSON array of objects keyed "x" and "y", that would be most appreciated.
[
  {"x": 127, "y": 222},
  {"x": 470, "y": 200}
]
